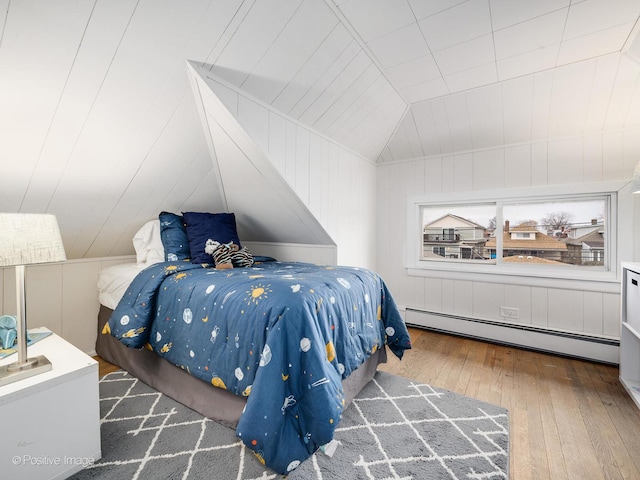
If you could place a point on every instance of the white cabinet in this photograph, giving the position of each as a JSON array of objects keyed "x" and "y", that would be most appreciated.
[
  {"x": 51, "y": 421},
  {"x": 630, "y": 331}
]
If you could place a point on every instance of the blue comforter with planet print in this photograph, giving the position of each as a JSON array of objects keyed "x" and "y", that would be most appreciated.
[{"x": 282, "y": 334}]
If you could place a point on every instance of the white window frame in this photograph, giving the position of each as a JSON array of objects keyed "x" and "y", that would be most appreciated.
[{"x": 518, "y": 273}]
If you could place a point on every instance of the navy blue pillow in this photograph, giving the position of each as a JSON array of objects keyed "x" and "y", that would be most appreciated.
[
  {"x": 201, "y": 227},
  {"x": 174, "y": 237}
]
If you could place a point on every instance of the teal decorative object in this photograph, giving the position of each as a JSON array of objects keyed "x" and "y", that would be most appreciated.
[{"x": 8, "y": 331}]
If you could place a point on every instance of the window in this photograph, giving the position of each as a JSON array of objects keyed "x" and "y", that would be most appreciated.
[
  {"x": 563, "y": 231},
  {"x": 538, "y": 231},
  {"x": 456, "y": 231}
]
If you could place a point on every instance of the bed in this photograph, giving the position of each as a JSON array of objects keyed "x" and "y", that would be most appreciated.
[{"x": 276, "y": 350}]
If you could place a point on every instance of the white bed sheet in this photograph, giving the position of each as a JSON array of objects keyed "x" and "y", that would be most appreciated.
[{"x": 113, "y": 282}]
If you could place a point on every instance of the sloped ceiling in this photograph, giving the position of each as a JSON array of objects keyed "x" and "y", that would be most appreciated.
[
  {"x": 483, "y": 73},
  {"x": 266, "y": 207},
  {"x": 436, "y": 48},
  {"x": 99, "y": 125}
]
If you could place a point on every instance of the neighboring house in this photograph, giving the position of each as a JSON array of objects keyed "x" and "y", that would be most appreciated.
[
  {"x": 452, "y": 236},
  {"x": 587, "y": 249},
  {"x": 582, "y": 230},
  {"x": 527, "y": 241}
]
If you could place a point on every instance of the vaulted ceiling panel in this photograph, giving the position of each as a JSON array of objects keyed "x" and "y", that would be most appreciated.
[
  {"x": 29, "y": 105},
  {"x": 442, "y": 127},
  {"x": 325, "y": 82},
  {"x": 466, "y": 56},
  {"x": 458, "y": 120},
  {"x": 469, "y": 46},
  {"x": 255, "y": 119},
  {"x": 604, "y": 77},
  {"x": 76, "y": 99},
  {"x": 260, "y": 26},
  {"x": 426, "y": 127},
  {"x": 589, "y": 17},
  {"x": 400, "y": 145},
  {"x": 385, "y": 115},
  {"x": 148, "y": 186},
  {"x": 400, "y": 46},
  {"x": 574, "y": 100},
  {"x": 485, "y": 116},
  {"x": 127, "y": 117},
  {"x": 542, "y": 93},
  {"x": 537, "y": 60},
  {"x": 300, "y": 58},
  {"x": 505, "y": 13},
  {"x": 316, "y": 114},
  {"x": 517, "y": 107},
  {"x": 298, "y": 40},
  {"x": 309, "y": 78},
  {"x": 372, "y": 84},
  {"x": 570, "y": 99},
  {"x": 375, "y": 18},
  {"x": 456, "y": 25},
  {"x": 538, "y": 33},
  {"x": 266, "y": 206},
  {"x": 414, "y": 73},
  {"x": 591, "y": 45},
  {"x": 99, "y": 124},
  {"x": 622, "y": 110}
]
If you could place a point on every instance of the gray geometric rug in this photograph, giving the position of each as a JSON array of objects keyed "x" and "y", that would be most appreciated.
[{"x": 394, "y": 429}]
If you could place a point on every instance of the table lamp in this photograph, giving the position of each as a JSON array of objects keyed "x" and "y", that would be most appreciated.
[{"x": 26, "y": 239}]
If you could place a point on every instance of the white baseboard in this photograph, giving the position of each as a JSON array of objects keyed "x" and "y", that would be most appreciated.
[{"x": 563, "y": 343}]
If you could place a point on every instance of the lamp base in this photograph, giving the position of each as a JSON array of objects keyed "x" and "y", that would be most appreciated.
[{"x": 15, "y": 371}]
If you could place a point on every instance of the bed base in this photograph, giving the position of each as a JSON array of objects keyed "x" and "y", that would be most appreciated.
[{"x": 209, "y": 401}]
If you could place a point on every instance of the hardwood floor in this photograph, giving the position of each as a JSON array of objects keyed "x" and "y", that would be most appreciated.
[
  {"x": 105, "y": 367},
  {"x": 569, "y": 419}
]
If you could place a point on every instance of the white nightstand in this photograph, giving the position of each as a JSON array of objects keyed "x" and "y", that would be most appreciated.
[{"x": 50, "y": 423}]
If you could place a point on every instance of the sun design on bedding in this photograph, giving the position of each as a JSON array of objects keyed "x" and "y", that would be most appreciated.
[{"x": 257, "y": 293}]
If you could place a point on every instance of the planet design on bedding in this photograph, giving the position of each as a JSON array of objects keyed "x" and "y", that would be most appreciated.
[{"x": 283, "y": 337}]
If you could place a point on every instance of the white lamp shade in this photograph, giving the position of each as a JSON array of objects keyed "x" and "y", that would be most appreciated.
[{"x": 27, "y": 238}]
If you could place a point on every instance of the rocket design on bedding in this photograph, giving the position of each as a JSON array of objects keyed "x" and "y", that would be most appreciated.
[{"x": 284, "y": 335}]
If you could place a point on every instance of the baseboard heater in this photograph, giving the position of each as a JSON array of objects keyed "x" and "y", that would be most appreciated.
[{"x": 588, "y": 347}]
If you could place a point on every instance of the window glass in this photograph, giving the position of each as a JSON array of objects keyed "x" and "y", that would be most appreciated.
[
  {"x": 457, "y": 232},
  {"x": 559, "y": 232},
  {"x": 565, "y": 232}
]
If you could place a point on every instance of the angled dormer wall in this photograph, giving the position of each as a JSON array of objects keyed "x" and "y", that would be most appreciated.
[{"x": 284, "y": 181}]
